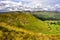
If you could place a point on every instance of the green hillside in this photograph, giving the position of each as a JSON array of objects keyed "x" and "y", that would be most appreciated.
[
  {"x": 43, "y": 15},
  {"x": 51, "y": 18},
  {"x": 25, "y": 26},
  {"x": 24, "y": 20}
]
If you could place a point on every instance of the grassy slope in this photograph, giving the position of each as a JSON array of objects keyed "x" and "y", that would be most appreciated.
[
  {"x": 24, "y": 20},
  {"x": 47, "y": 15},
  {"x": 50, "y": 17},
  {"x": 21, "y": 26},
  {"x": 54, "y": 26},
  {"x": 8, "y": 32}
]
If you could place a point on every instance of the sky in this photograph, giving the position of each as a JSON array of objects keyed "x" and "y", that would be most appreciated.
[{"x": 32, "y": 5}]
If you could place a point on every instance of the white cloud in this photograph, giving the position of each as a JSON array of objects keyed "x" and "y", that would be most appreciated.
[
  {"x": 45, "y": 9},
  {"x": 28, "y": 4},
  {"x": 57, "y": 5},
  {"x": 12, "y": 9}
]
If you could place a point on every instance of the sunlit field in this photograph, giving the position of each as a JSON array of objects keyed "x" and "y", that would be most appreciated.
[{"x": 30, "y": 25}]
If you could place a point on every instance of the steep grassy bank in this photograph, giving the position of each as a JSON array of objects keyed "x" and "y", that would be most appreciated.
[
  {"x": 24, "y": 26},
  {"x": 24, "y": 20}
]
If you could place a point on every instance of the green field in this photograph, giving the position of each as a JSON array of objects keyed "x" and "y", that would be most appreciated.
[
  {"x": 51, "y": 18},
  {"x": 29, "y": 25},
  {"x": 47, "y": 15}
]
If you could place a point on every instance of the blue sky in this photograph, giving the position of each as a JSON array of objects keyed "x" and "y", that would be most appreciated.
[{"x": 44, "y": 4}]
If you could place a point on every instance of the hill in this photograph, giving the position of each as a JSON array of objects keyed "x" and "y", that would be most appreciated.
[
  {"x": 24, "y": 20},
  {"x": 24, "y": 26},
  {"x": 8, "y": 32},
  {"x": 46, "y": 15},
  {"x": 20, "y": 24}
]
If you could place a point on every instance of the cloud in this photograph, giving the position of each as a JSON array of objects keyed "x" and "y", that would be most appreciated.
[
  {"x": 14, "y": 5},
  {"x": 57, "y": 5},
  {"x": 9, "y": 5}
]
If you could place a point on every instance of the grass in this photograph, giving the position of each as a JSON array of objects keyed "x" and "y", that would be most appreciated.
[
  {"x": 25, "y": 26},
  {"x": 15, "y": 33},
  {"x": 24, "y": 20},
  {"x": 47, "y": 15},
  {"x": 54, "y": 27}
]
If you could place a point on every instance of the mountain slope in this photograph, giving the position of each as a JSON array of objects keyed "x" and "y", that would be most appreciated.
[
  {"x": 8, "y": 32},
  {"x": 23, "y": 26},
  {"x": 24, "y": 20}
]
